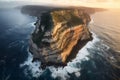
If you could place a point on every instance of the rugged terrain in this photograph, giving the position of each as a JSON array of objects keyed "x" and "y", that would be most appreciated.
[{"x": 59, "y": 35}]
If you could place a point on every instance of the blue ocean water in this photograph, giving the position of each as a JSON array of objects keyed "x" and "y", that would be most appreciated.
[
  {"x": 15, "y": 30},
  {"x": 96, "y": 61}
]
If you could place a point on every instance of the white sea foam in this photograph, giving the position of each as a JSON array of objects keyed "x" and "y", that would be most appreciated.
[
  {"x": 32, "y": 67},
  {"x": 32, "y": 24},
  {"x": 61, "y": 72},
  {"x": 92, "y": 21},
  {"x": 71, "y": 66}
]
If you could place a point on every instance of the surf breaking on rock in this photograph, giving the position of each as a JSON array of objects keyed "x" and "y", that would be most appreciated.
[{"x": 59, "y": 35}]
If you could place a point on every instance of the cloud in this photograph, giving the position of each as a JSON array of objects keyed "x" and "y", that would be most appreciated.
[
  {"x": 101, "y": 0},
  {"x": 87, "y": 3}
]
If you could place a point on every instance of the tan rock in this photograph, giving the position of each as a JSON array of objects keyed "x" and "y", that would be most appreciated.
[{"x": 60, "y": 34}]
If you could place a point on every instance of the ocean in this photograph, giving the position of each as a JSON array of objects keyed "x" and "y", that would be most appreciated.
[{"x": 99, "y": 59}]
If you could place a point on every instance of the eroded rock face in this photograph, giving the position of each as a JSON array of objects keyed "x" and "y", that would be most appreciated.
[{"x": 59, "y": 35}]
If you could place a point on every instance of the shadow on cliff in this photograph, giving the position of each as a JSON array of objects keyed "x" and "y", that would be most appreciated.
[
  {"x": 44, "y": 21},
  {"x": 80, "y": 44}
]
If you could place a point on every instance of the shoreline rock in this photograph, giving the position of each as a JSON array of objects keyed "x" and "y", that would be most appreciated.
[{"x": 59, "y": 35}]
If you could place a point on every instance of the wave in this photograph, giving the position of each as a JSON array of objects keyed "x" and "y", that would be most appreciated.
[
  {"x": 91, "y": 59},
  {"x": 34, "y": 67}
]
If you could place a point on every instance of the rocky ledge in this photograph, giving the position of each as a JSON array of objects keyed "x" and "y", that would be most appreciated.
[{"x": 59, "y": 35}]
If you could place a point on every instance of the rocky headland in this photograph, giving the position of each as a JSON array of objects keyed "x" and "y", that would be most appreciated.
[{"x": 59, "y": 35}]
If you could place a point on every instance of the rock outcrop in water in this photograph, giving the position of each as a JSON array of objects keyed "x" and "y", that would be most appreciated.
[{"x": 59, "y": 35}]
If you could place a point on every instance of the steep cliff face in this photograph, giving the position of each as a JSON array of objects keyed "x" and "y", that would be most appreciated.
[{"x": 59, "y": 35}]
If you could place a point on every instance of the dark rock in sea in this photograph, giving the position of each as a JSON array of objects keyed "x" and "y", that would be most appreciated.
[{"x": 59, "y": 35}]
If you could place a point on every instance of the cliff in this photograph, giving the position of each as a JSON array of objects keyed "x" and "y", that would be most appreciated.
[{"x": 59, "y": 35}]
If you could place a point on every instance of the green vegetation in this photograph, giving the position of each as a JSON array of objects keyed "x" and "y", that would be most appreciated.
[{"x": 69, "y": 16}]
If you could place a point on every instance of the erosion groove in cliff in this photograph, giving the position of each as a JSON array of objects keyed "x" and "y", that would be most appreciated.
[{"x": 59, "y": 35}]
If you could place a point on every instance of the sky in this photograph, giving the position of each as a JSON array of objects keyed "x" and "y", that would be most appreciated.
[{"x": 87, "y": 3}]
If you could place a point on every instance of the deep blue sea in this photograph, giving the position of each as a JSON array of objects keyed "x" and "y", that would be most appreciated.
[
  {"x": 95, "y": 61},
  {"x": 15, "y": 30}
]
